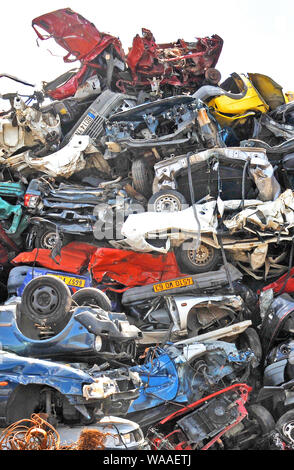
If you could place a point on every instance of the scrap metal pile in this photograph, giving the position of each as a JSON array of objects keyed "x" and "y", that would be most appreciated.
[{"x": 146, "y": 246}]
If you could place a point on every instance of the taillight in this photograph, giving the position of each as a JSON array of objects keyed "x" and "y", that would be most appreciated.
[{"x": 31, "y": 200}]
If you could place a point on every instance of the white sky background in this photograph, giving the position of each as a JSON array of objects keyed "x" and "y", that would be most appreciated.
[{"x": 258, "y": 34}]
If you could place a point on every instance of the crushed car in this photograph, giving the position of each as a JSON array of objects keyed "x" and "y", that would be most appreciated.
[
  {"x": 217, "y": 421},
  {"x": 189, "y": 306},
  {"x": 168, "y": 373},
  {"x": 206, "y": 230},
  {"x": 43, "y": 324},
  {"x": 146, "y": 244},
  {"x": 65, "y": 393}
]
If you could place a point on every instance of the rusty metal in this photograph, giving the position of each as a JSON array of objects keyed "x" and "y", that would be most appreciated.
[
  {"x": 37, "y": 434},
  {"x": 30, "y": 434}
]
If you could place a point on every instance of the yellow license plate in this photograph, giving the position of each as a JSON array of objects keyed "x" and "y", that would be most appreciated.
[
  {"x": 186, "y": 281},
  {"x": 70, "y": 281}
]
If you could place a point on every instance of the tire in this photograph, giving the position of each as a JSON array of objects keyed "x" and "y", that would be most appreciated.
[
  {"x": 166, "y": 201},
  {"x": 23, "y": 402},
  {"x": 213, "y": 76},
  {"x": 91, "y": 296},
  {"x": 208, "y": 259},
  {"x": 46, "y": 300},
  {"x": 143, "y": 176},
  {"x": 46, "y": 238},
  {"x": 263, "y": 417},
  {"x": 250, "y": 339},
  {"x": 285, "y": 427}
]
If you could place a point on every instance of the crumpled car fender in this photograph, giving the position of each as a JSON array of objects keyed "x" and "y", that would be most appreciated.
[
  {"x": 65, "y": 161},
  {"x": 66, "y": 379}
]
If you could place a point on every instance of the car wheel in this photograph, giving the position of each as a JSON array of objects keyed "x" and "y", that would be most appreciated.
[
  {"x": 46, "y": 300},
  {"x": 213, "y": 76},
  {"x": 285, "y": 426},
  {"x": 205, "y": 259},
  {"x": 166, "y": 201},
  {"x": 249, "y": 339},
  {"x": 263, "y": 418},
  {"x": 46, "y": 238},
  {"x": 143, "y": 176},
  {"x": 23, "y": 402},
  {"x": 91, "y": 296}
]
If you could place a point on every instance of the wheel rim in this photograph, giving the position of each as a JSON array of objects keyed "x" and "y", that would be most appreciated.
[
  {"x": 203, "y": 255},
  {"x": 44, "y": 300},
  {"x": 168, "y": 203},
  {"x": 288, "y": 431},
  {"x": 48, "y": 240}
]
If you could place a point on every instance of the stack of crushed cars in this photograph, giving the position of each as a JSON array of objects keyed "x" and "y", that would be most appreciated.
[{"x": 146, "y": 246}]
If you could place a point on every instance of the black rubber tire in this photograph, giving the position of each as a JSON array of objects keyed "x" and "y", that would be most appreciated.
[
  {"x": 46, "y": 300},
  {"x": 250, "y": 339},
  {"x": 188, "y": 266},
  {"x": 173, "y": 200},
  {"x": 91, "y": 296},
  {"x": 284, "y": 419},
  {"x": 46, "y": 238},
  {"x": 213, "y": 76},
  {"x": 263, "y": 417},
  {"x": 23, "y": 402},
  {"x": 142, "y": 175}
]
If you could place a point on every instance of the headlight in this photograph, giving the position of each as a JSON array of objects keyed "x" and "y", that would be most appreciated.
[
  {"x": 102, "y": 387},
  {"x": 98, "y": 343}
]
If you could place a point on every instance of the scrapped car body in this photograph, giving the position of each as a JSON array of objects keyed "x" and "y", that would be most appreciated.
[
  {"x": 20, "y": 276},
  {"x": 24, "y": 126},
  {"x": 189, "y": 433},
  {"x": 151, "y": 131},
  {"x": 198, "y": 426},
  {"x": 145, "y": 205},
  {"x": 13, "y": 218},
  {"x": 119, "y": 434},
  {"x": 80, "y": 339},
  {"x": 225, "y": 167},
  {"x": 64, "y": 162},
  {"x": 187, "y": 306},
  {"x": 108, "y": 266},
  {"x": 167, "y": 374},
  {"x": 74, "y": 209},
  {"x": 253, "y": 105},
  {"x": 83, "y": 42},
  {"x": 62, "y": 391},
  {"x": 262, "y": 223},
  {"x": 181, "y": 65},
  {"x": 60, "y": 151}
]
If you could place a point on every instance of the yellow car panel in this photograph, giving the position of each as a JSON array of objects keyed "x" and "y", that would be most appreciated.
[
  {"x": 271, "y": 92},
  {"x": 228, "y": 109}
]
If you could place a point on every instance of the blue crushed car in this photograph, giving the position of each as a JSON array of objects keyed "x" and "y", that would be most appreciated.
[
  {"x": 45, "y": 323},
  {"x": 66, "y": 393}
]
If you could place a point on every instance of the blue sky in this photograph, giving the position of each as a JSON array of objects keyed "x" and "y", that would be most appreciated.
[{"x": 258, "y": 34}]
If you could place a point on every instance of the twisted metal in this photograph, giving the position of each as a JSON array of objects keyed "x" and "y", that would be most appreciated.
[{"x": 37, "y": 434}]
